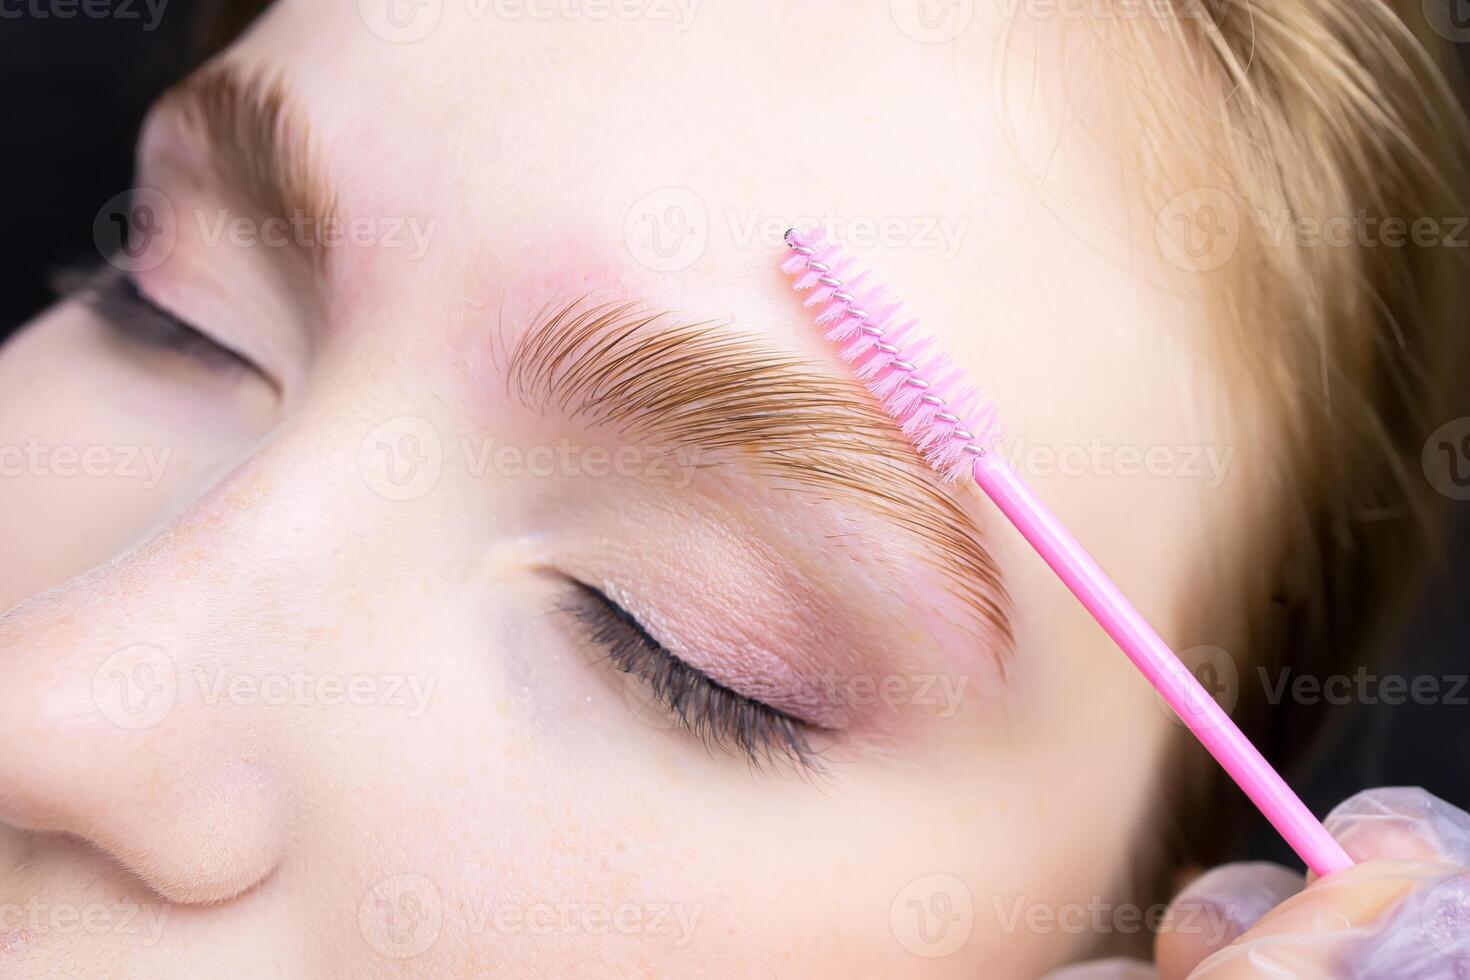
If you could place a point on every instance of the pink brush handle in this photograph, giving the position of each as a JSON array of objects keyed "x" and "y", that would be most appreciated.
[{"x": 1150, "y": 654}]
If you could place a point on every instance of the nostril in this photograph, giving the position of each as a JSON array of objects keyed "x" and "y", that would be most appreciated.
[
  {"x": 183, "y": 881},
  {"x": 211, "y": 837},
  {"x": 193, "y": 832}
]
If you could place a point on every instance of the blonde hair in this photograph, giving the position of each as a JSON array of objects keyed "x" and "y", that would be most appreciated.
[{"x": 1331, "y": 116}]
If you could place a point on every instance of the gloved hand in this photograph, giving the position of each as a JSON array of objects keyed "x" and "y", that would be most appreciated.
[{"x": 1403, "y": 912}]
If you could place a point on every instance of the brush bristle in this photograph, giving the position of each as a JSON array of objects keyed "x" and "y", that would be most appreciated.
[{"x": 904, "y": 367}]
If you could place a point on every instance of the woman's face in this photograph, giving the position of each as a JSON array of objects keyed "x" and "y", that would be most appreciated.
[{"x": 302, "y": 681}]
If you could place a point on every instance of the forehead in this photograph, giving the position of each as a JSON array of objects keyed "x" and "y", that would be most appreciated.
[
  {"x": 672, "y": 154},
  {"x": 722, "y": 123},
  {"x": 667, "y": 154}
]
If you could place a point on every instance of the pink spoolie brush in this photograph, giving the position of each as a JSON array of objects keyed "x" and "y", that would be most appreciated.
[{"x": 955, "y": 429}]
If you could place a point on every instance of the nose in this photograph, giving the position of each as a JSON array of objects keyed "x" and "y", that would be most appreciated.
[{"x": 107, "y": 733}]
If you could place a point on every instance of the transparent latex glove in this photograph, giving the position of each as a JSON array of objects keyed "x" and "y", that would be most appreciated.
[{"x": 1402, "y": 912}]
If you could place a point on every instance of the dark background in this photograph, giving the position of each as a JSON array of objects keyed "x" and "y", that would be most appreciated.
[{"x": 75, "y": 92}]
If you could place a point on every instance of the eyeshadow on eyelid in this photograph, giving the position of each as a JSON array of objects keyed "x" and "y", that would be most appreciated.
[{"x": 784, "y": 418}]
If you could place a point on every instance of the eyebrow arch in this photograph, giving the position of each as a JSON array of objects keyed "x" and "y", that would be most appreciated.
[
  {"x": 703, "y": 385},
  {"x": 255, "y": 140}
]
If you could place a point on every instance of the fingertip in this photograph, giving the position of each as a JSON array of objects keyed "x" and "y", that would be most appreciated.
[
  {"x": 1401, "y": 823},
  {"x": 1215, "y": 909}
]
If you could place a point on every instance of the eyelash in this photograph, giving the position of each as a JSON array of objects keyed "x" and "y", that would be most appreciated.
[
  {"x": 115, "y": 298},
  {"x": 719, "y": 716}
]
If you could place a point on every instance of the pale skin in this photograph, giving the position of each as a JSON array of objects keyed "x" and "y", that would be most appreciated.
[{"x": 492, "y": 797}]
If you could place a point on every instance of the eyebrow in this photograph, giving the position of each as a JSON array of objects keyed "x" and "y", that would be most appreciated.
[
  {"x": 705, "y": 386},
  {"x": 255, "y": 140}
]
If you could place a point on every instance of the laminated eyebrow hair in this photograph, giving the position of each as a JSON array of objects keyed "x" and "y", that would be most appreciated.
[{"x": 704, "y": 386}]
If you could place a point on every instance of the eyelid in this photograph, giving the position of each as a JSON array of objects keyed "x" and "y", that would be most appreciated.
[
  {"x": 717, "y": 714},
  {"x": 115, "y": 297},
  {"x": 246, "y": 358}
]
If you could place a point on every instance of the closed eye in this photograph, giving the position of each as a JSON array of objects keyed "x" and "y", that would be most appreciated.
[
  {"x": 718, "y": 715},
  {"x": 117, "y": 301}
]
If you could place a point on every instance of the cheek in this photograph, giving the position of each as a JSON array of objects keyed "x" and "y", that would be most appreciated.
[
  {"x": 544, "y": 812},
  {"x": 93, "y": 456},
  {"x": 541, "y": 812},
  {"x": 513, "y": 816},
  {"x": 63, "y": 518}
]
